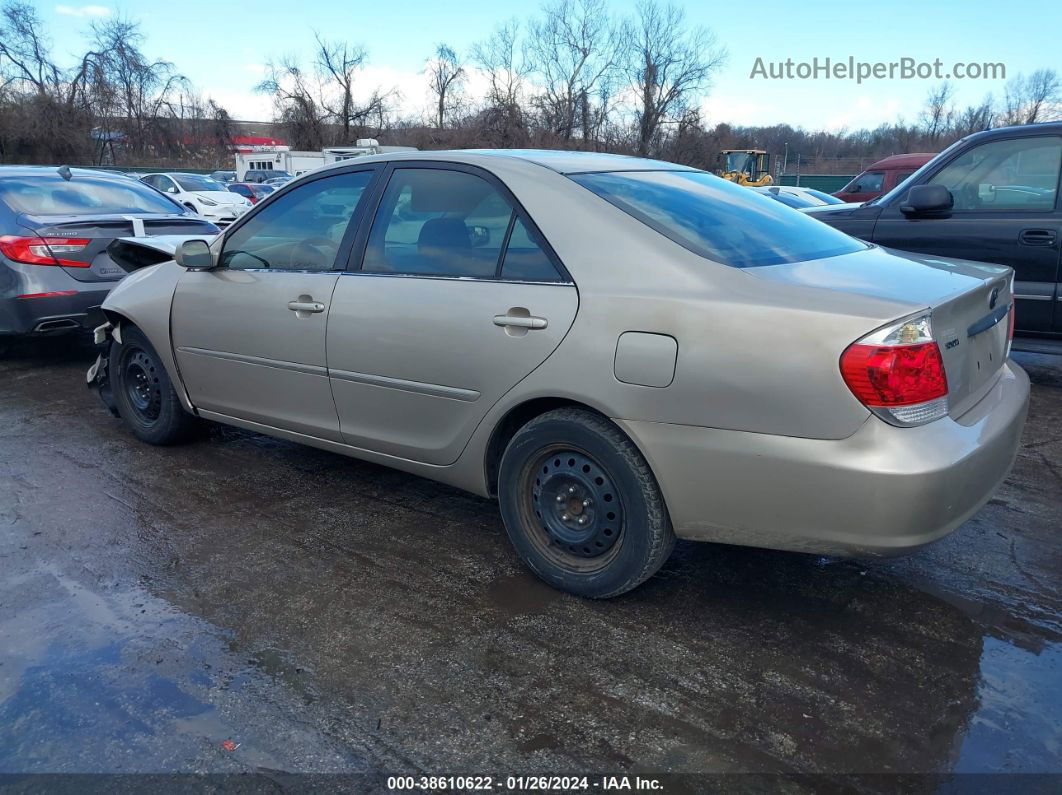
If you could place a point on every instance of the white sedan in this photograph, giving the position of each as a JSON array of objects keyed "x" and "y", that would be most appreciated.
[{"x": 202, "y": 195}]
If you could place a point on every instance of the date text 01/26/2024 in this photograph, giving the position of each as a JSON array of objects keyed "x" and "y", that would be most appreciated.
[{"x": 522, "y": 783}]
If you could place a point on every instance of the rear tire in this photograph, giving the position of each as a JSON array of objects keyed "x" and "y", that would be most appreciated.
[
  {"x": 145, "y": 397},
  {"x": 581, "y": 505}
]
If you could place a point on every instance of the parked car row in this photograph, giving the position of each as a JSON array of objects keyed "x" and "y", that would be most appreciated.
[
  {"x": 622, "y": 351},
  {"x": 208, "y": 197}
]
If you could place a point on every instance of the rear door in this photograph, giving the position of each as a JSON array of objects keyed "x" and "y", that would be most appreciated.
[
  {"x": 249, "y": 336},
  {"x": 1005, "y": 212},
  {"x": 458, "y": 299}
]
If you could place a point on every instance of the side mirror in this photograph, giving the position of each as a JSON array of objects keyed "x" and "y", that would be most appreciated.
[
  {"x": 194, "y": 255},
  {"x": 927, "y": 200}
]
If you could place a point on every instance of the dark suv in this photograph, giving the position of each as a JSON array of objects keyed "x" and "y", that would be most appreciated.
[
  {"x": 261, "y": 175},
  {"x": 992, "y": 197}
]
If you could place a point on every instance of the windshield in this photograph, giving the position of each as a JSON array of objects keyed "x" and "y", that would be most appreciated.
[
  {"x": 717, "y": 219},
  {"x": 193, "y": 182},
  {"x": 53, "y": 195}
]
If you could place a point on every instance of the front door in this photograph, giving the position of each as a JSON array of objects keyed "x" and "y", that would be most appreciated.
[
  {"x": 1005, "y": 212},
  {"x": 458, "y": 299},
  {"x": 249, "y": 336}
]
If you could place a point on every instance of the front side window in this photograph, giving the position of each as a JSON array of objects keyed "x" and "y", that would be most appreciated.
[
  {"x": 1015, "y": 174},
  {"x": 867, "y": 182},
  {"x": 53, "y": 195},
  {"x": 438, "y": 222},
  {"x": 302, "y": 230},
  {"x": 717, "y": 219}
]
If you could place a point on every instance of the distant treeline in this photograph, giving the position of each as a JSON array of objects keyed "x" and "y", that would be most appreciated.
[{"x": 572, "y": 75}]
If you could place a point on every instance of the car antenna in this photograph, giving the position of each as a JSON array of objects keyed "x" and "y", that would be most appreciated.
[{"x": 64, "y": 172}]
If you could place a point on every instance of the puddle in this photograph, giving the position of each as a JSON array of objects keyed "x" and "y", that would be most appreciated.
[
  {"x": 1017, "y": 727},
  {"x": 118, "y": 680}
]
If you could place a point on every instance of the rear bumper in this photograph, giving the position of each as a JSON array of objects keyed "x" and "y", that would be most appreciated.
[
  {"x": 882, "y": 491},
  {"x": 50, "y": 315}
]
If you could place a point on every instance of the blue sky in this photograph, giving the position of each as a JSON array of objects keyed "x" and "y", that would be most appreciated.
[{"x": 222, "y": 46}]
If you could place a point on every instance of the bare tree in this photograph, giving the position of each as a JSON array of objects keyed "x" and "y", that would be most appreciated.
[
  {"x": 341, "y": 62},
  {"x": 1038, "y": 97},
  {"x": 670, "y": 64},
  {"x": 319, "y": 106},
  {"x": 939, "y": 111},
  {"x": 500, "y": 60},
  {"x": 574, "y": 49},
  {"x": 975, "y": 118},
  {"x": 446, "y": 75}
]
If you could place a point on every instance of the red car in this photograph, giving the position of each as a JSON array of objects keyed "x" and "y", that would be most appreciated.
[
  {"x": 251, "y": 190},
  {"x": 883, "y": 176}
]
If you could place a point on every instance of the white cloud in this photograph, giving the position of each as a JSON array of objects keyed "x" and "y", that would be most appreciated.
[{"x": 83, "y": 11}]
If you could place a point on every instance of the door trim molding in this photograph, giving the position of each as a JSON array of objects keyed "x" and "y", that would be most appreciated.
[
  {"x": 277, "y": 364},
  {"x": 417, "y": 387}
]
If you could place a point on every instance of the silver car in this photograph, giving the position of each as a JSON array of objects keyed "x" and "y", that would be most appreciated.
[{"x": 621, "y": 351}]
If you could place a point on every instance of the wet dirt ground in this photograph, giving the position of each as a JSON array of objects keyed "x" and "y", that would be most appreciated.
[{"x": 329, "y": 615}]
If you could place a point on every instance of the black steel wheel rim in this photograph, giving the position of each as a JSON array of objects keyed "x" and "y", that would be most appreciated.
[
  {"x": 143, "y": 388},
  {"x": 573, "y": 506}
]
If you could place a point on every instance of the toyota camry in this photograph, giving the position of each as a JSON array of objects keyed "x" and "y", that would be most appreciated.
[{"x": 621, "y": 351}]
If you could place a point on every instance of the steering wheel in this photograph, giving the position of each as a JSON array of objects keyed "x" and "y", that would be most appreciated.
[{"x": 310, "y": 252}]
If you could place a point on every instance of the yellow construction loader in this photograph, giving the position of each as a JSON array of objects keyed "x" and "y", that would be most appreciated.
[{"x": 751, "y": 167}]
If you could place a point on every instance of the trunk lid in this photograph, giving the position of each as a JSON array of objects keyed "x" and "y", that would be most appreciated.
[
  {"x": 101, "y": 230},
  {"x": 970, "y": 302}
]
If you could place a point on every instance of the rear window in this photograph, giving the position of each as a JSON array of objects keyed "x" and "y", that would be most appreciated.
[
  {"x": 717, "y": 219},
  {"x": 53, "y": 195}
]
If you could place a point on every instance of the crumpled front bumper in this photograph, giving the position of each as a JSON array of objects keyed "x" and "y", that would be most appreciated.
[{"x": 98, "y": 376}]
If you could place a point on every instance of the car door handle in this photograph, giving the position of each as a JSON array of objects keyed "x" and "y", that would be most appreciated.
[
  {"x": 520, "y": 321},
  {"x": 1037, "y": 237},
  {"x": 306, "y": 306}
]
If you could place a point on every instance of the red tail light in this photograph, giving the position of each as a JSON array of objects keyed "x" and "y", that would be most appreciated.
[
  {"x": 43, "y": 250},
  {"x": 898, "y": 373}
]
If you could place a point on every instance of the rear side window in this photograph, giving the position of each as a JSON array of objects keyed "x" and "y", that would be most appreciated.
[
  {"x": 717, "y": 219},
  {"x": 52, "y": 195},
  {"x": 437, "y": 222},
  {"x": 442, "y": 222},
  {"x": 302, "y": 230},
  {"x": 525, "y": 258}
]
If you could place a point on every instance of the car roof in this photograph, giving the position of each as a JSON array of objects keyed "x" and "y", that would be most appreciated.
[
  {"x": 560, "y": 161},
  {"x": 915, "y": 159}
]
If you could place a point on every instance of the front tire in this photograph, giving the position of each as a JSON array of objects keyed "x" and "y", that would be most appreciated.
[
  {"x": 581, "y": 505},
  {"x": 143, "y": 392}
]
